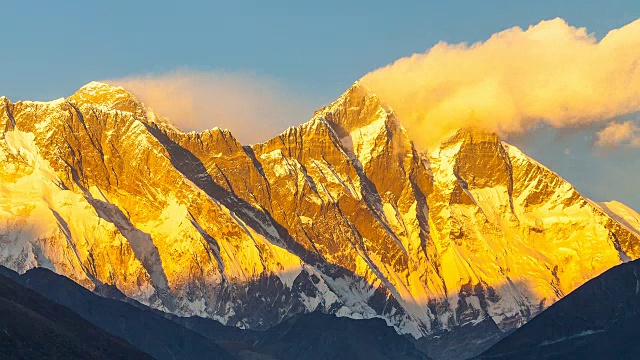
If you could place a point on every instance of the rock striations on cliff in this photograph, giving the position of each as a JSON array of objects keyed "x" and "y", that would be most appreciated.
[{"x": 342, "y": 214}]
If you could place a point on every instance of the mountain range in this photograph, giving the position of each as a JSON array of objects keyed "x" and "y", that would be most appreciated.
[{"x": 455, "y": 246}]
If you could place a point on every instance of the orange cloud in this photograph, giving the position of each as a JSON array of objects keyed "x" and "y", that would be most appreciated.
[
  {"x": 254, "y": 108},
  {"x": 550, "y": 73},
  {"x": 616, "y": 134}
]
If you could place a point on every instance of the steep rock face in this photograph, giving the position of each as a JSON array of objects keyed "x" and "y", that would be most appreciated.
[{"x": 341, "y": 214}]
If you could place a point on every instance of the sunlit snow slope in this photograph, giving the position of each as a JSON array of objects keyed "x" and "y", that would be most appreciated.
[{"x": 341, "y": 214}]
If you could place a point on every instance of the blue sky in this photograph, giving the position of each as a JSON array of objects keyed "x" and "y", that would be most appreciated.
[
  {"x": 316, "y": 48},
  {"x": 319, "y": 47}
]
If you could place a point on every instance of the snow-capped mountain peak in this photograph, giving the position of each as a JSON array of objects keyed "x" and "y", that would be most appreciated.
[{"x": 341, "y": 214}]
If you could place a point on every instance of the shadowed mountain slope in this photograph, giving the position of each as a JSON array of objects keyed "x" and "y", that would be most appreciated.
[
  {"x": 313, "y": 336},
  {"x": 599, "y": 320},
  {"x": 140, "y": 326},
  {"x": 34, "y": 327}
]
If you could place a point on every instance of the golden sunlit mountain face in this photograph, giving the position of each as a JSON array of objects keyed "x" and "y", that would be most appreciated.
[
  {"x": 341, "y": 214},
  {"x": 404, "y": 199}
]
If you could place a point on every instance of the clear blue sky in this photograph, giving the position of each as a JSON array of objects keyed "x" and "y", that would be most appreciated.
[{"x": 51, "y": 48}]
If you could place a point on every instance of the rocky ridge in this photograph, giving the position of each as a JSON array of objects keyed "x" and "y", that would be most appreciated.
[{"x": 341, "y": 214}]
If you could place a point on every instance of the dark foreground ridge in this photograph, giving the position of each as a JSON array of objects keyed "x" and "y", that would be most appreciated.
[
  {"x": 320, "y": 336},
  {"x": 139, "y": 325},
  {"x": 599, "y": 320},
  {"x": 165, "y": 336},
  {"x": 34, "y": 327}
]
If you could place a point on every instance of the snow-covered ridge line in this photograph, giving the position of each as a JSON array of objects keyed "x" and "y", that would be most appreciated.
[{"x": 341, "y": 214}]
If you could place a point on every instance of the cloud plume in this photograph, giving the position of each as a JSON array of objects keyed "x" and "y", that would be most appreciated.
[
  {"x": 616, "y": 134},
  {"x": 254, "y": 108},
  {"x": 550, "y": 73}
]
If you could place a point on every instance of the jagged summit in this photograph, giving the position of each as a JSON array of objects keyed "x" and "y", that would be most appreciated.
[
  {"x": 102, "y": 87},
  {"x": 109, "y": 97},
  {"x": 98, "y": 94},
  {"x": 356, "y": 107},
  {"x": 341, "y": 214},
  {"x": 106, "y": 96}
]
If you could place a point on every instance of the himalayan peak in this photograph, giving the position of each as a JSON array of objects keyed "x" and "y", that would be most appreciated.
[{"x": 341, "y": 214}]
